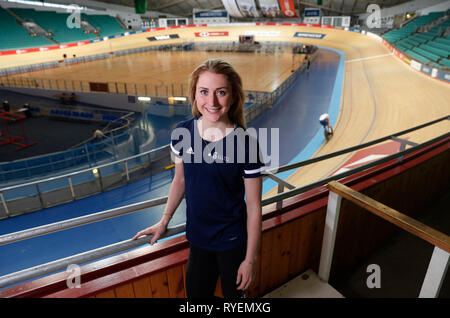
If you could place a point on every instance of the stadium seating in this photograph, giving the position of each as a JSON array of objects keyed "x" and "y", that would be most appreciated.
[
  {"x": 105, "y": 23},
  {"x": 445, "y": 62},
  {"x": 438, "y": 45},
  {"x": 439, "y": 29},
  {"x": 396, "y": 35},
  {"x": 417, "y": 56},
  {"x": 17, "y": 37},
  {"x": 55, "y": 23},
  {"x": 429, "y": 55},
  {"x": 424, "y": 39},
  {"x": 440, "y": 52},
  {"x": 443, "y": 41}
]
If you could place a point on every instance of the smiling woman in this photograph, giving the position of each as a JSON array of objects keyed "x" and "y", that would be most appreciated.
[
  {"x": 223, "y": 229},
  {"x": 213, "y": 101},
  {"x": 404, "y": 98},
  {"x": 216, "y": 93}
]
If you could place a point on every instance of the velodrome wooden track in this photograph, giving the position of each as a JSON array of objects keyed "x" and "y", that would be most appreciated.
[
  {"x": 157, "y": 68},
  {"x": 381, "y": 94}
]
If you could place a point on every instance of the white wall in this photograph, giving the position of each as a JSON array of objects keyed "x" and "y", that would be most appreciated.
[{"x": 443, "y": 6}]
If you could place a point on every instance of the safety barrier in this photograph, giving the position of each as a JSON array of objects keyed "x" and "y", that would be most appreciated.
[
  {"x": 109, "y": 175},
  {"x": 294, "y": 191},
  {"x": 88, "y": 153},
  {"x": 275, "y": 199},
  {"x": 35, "y": 195},
  {"x": 28, "y": 68}
]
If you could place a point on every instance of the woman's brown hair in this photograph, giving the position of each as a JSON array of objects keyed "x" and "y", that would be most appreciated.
[{"x": 218, "y": 66}]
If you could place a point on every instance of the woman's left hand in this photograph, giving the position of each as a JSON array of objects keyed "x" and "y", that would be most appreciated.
[{"x": 246, "y": 273}]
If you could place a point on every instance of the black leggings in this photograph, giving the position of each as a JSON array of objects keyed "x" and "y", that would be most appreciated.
[{"x": 204, "y": 267}]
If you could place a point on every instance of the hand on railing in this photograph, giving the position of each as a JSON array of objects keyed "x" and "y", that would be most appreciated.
[{"x": 157, "y": 230}]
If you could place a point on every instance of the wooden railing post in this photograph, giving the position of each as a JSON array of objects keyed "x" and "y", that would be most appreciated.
[
  {"x": 439, "y": 262},
  {"x": 329, "y": 235},
  {"x": 437, "y": 268}
]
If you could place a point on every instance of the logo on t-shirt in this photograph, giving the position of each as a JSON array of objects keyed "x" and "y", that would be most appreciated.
[
  {"x": 216, "y": 156},
  {"x": 240, "y": 146}
]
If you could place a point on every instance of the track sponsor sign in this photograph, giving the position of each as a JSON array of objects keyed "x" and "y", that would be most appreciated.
[
  {"x": 163, "y": 37},
  {"x": 206, "y": 34},
  {"x": 309, "y": 35}
]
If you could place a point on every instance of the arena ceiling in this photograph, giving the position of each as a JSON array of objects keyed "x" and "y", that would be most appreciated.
[{"x": 184, "y": 8}]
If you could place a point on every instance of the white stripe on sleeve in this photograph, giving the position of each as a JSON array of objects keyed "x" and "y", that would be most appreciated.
[
  {"x": 254, "y": 171},
  {"x": 174, "y": 150}
]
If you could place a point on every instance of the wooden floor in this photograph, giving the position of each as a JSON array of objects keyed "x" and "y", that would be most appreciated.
[{"x": 381, "y": 94}]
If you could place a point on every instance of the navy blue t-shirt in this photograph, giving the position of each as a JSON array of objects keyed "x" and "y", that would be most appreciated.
[{"x": 214, "y": 172}]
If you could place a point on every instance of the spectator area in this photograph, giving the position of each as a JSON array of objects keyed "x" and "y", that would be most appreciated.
[
  {"x": 426, "y": 39},
  {"x": 17, "y": 37},
  {"x": 56, "y": 23},
  {"x": 106, "y": 24}
]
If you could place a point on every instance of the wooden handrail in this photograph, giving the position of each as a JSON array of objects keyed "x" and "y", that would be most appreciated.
[{"x": 403, "y": 221}]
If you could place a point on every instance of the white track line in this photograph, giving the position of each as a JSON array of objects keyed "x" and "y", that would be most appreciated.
[{"x": 369, "y": 58}]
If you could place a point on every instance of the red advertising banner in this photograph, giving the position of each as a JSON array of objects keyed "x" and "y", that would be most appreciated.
[
  {"x": 43, "y": 49},
  {"x": 288, "y": 8},
  {"x": 206, "y": 34}
]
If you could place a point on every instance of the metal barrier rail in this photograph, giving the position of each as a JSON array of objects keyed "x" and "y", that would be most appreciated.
[
  {"x": 158, "y": 157},
  {"x": 69, "y": 176},
  {"x": 123, "y": 121},
  {"x": 127, "y": 244},
  {"x": 275, "y": 170},
  {"x": 294, "y": 191},
  {"x": 90, "y": 151},
  {"x": 259, "y": 99},
  {"x": 82, "y": 220},
  {"x": 82, "y": 258}
]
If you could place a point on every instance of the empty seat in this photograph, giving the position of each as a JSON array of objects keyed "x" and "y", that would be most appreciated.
[
  {"x": 429, "y": 55},
  {"x": 418, "y": 57},
  {"x": 440, "y": 52},
  {"x": 439, "y": 45},
  {"x": 443, "y": 41},
  {"x": 445, "y": 62}
]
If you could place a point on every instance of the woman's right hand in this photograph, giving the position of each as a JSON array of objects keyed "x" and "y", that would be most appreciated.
[{"x": 157, "y": 230}]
